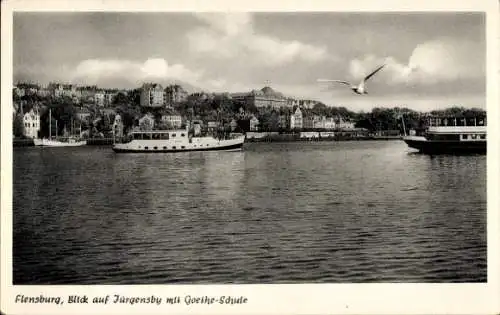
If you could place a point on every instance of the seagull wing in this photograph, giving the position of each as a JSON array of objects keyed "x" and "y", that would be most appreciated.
[
  {"x": 338, "y": 81},
  {"x": 373, "y": 73}
]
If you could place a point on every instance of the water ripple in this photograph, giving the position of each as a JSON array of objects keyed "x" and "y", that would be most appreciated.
[{"x": 274, "y": 213}]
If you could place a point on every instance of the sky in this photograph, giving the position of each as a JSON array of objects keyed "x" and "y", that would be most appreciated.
[{"x": 433, "y": 60}]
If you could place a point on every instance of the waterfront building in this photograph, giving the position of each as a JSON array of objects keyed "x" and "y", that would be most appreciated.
[
  {"x": 330, "y": 123},
  {"x": 175, "y": 94},
  {"x": 118, "y": 126},
  {"x": 31, "y": 121},
  {"x": 308, "y": 121},
  {"x": 152, "y": 95},
  {"x": 254, "y": 124},
  {"x": 344, "y": 124},
  {"x": 296, "y": 119},
  {"x": 172, "y": 120}
]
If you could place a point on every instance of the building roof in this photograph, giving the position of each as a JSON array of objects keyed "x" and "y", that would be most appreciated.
[{"x": 152, "y": 86}]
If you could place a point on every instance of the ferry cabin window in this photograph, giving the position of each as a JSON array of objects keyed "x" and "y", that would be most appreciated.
[
  {"x": 156, "y": 136},
  {"x": 474, "y": 136},
  {"x": 164, "y": 136},
  {"x": 482, "y": 136},
  {"x": 182, "y": 135},
  {"x": 464, "y": 137},
  {"x": 173, "y": 135},
  {"x": 137, "y": 135}
]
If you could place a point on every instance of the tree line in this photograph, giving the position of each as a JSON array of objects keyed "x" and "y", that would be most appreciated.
[{"x": 219, "y": 108}]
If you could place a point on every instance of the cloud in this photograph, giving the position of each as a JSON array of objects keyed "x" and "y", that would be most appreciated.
[
  {"x": 232, "y": 35},
  {"x": 441, "y": 60},
  {"x": 93, "y": 71}
]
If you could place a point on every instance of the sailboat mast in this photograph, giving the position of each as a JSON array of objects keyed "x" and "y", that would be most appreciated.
[
  {"x": 404, "y": 128},
  {"x": 50, "y": 123}
]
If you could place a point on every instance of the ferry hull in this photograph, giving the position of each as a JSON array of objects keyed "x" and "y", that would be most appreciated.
[
  {"x": 448, "y": 147},
  {"x": 230, "y": 147}
]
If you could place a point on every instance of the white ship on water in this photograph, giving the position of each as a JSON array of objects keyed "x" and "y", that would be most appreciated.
[
  {"x": 451, "y": 135},
  {"x": 158, "y": 141},
  {"x": 70, "y": 141}
]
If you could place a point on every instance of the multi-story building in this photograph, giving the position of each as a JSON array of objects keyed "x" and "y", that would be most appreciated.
[
  {"x": 266, "y": 97},
  {"x": 31, "y": 122},
  {"x": 87, "y": 93},
  {"x": 308, "y": 121},
  {"x": 172, "y": 120},
  {"x": 344, "y": 124},
  {"x": 99, "y": 99},
  {"x": 296, "y": 119},
  {"x": 152, "y": 95},
  {"x": 175, "y": 94},
  {"x": 63, "y": 90},
  {"x": 322, "y": 122},
  {"x": 109, "y": 98},
  {"x": 254, "y": 124},
  {"x": 329, "y": 123},
  {"x": 118, "y": 126}
]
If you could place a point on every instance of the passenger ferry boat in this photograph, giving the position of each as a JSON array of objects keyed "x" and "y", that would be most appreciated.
[
  {"x": 451, "y": 135},
  {"x": 158, "y": 141}
]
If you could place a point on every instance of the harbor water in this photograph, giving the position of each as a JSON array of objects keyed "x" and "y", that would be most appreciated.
[{"x": 322, "y": 212}]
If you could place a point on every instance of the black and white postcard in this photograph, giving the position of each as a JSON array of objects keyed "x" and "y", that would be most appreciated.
[{"x": 250, "y": 158}]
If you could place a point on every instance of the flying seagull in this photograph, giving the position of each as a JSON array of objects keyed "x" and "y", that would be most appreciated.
[{"x": 360, "y": 88}]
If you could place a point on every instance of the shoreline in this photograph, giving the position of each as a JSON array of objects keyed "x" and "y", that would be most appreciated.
[{"x": 109, "y": 142}]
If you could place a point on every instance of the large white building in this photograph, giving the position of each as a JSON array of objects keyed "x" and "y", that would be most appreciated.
[
  {"x": 296, "y": 119},
  {"x": 118, "y": 126},
  {"x": 172, "y": 120},
  {"x": 31, "y": 122}
]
